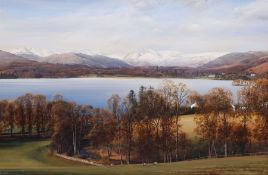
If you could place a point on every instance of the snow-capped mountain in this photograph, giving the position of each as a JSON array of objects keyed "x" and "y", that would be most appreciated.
[
  {"x": 169, "y": 58},
  {"x": 31, "y": 53}
]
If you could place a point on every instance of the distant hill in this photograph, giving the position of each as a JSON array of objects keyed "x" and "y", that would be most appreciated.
[
  {"x": 7, "y": 58},
  {"x": 239, "y": 61},
  {"x": 92, "y": 60},
  {"x": 83, "y": 59},
  {"x": 262, "y": 67}
]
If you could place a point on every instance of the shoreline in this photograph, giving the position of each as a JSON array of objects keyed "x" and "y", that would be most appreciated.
[{"x": 130, "y": 77}]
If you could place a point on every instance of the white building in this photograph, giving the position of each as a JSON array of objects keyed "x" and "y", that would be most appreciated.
[
  {"x": 194, "y": 106},
  {"x": 211, "y": 76}
]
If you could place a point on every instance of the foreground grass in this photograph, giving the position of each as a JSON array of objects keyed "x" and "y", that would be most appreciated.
[{"x": 33, "y": 157}]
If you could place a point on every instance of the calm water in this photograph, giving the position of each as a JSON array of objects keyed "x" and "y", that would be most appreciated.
[{"x": 96, "y": 91}]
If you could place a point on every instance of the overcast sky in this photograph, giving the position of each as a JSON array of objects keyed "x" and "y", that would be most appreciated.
[{"x": 116, "y": 27}]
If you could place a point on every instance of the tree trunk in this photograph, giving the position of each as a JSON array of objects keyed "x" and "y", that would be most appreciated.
[
  {"x": 109, "y": 152},
  {"x": 30, "y": 124},
  {"x": 209, "y": 150},
  {"x": 74, "y": 139},
  {"x": 11, "y": 129},
  {"x": 22, "y": 128},
  {"x": 177, "y": 138},
  {"x": 225, "y": 135},
  {"x": 120, "y": 152},
  {"x": 215, "y": 151},
  {"x": 129, "y": 142},
  {"x": 225, "y": 149}
]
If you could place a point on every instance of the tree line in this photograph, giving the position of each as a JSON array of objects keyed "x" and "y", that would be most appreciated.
[{"x": 145, "y": 126}]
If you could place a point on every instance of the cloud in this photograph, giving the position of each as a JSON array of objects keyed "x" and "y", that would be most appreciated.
[
  {"x": 1, "y": 12},
  {"x": 256, "y": 10},
  {"x": 194, "y": 3},
  {"x": 141, "y": 4},
  {"x": 199, "y": 3},
  {"x": 118, "y": 27}
]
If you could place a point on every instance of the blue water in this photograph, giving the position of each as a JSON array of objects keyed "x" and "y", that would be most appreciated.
[{"x": 96, "y": 91}]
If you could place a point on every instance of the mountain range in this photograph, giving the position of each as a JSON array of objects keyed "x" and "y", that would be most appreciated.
[
  {"x": 147, "y": 57},
  {"x": 231, "y": 63},
  {"x": 97, "y": 61}
]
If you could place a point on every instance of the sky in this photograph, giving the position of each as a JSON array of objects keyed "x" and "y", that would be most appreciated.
[{"x": 117, "y": 27}]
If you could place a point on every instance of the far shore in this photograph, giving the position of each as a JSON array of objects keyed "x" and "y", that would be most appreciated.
[{"x": 117, "y": 76}]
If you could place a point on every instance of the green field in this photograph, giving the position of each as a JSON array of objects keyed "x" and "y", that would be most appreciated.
[{"x": 33, "y": 157}]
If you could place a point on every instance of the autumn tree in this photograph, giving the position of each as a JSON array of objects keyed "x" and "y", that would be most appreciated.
[
  {"x": 145, "y": 124},
  {"x": 20, "y": 114},
  {"x": 216, "y": 110},
  {"x": 259, "y": 95},
  {"x": 185, "y": 146},
  {"x": 10, "y": 119},
  {"x": 85, "y": 114},
  {"x": 39, "y": 110},
  {"x": 27, "y": 102},
  {"x": 62, "y": 140},
  {"x": 129, "y": 116},
  {"x": 3, "y": 106},
  {"x": 145, "y": 140},
  {"x": 176, "y": 95},
  {"x": 166, "y": 125},
  {"x": 103, "y": 131},
  {"x": 244, "y": 111},
  {"x": 48, "y": 119},
  {"x": 219, "y": 103},
  {"x": 115, "y": 106}
]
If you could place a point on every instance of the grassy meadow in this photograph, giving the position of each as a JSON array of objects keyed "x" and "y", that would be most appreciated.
[
  {"x": 188, "y": 125},
  {"x": 33, "y": 157}
]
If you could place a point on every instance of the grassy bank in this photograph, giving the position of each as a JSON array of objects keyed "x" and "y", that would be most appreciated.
[{"x": 32, "y": 157}]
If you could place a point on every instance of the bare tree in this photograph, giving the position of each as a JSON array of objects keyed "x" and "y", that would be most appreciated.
[{"x": 114, "y": 105}]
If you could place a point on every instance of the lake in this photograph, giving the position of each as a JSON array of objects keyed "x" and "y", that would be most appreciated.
[{"x": 96, "y": 91}]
